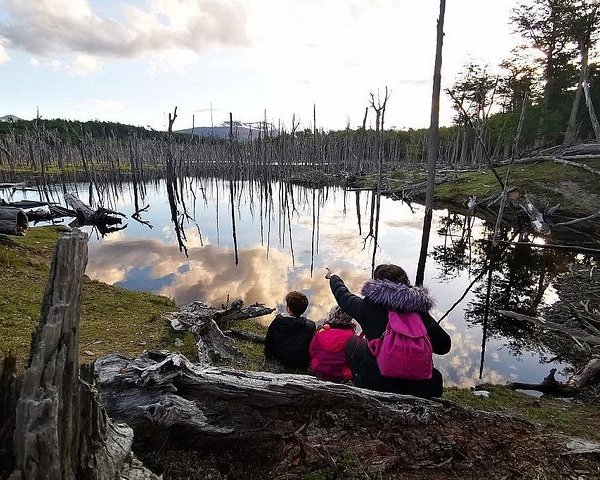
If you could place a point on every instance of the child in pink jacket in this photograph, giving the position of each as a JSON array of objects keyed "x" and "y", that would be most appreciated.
[{"x": 327, "y": 348}]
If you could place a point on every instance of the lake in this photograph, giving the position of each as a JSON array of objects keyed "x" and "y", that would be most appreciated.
[{"x": 257, "y": 241}]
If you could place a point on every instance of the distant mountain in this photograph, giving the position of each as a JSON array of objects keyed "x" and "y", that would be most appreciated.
[
  {"x": 10, "y": 118},
  {"x": 241, "y": 131}
]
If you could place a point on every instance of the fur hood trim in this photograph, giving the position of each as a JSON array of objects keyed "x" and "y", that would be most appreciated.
[{"x": 397, "y": 296}]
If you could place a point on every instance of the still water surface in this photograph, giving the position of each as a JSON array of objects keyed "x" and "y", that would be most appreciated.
[{"x": 285, "y": 236}]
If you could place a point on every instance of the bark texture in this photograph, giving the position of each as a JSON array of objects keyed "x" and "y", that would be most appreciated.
[
  {"x": 52, "y": 426},
  {"x": 13, "y": 221},
  {"x": 280, "y": 424},
  {"x": 203, "y": 321}
]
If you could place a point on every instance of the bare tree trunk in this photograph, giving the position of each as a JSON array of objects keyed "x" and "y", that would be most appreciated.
[
  {"x": 572, "y": 126},
  {"x": 434, "y": 145},
  {"x": 590, "y": 106},
  {"x": 60, "y": 431}
]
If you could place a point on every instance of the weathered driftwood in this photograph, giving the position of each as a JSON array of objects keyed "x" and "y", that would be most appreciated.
[
  {"x": 202, "y": 320},
  {"x": 288, "y": 422},
  {"x": 13, "y": 221},
  {"x": 588, "y": 375},
  {"x": 86, "y": 215},
  {"x": 59, "y": 431}
]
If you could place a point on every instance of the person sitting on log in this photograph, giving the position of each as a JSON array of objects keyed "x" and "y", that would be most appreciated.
[
  {"x": 327, "y": 349},
  {"x": 394, "y": 351},
  {"x": 289, "y": 336}
]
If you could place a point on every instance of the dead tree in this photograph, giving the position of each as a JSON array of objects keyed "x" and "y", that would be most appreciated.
[
  {"x": 86, "y": 215},
  {"x": 434, "y": 145},
  {"x": 52, "y": 426}
]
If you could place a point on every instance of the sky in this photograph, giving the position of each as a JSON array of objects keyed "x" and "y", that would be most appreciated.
[{"x": 132, "y": 61}]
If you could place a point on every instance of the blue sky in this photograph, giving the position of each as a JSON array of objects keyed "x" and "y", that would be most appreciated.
[{"x": 132, "y": 61}]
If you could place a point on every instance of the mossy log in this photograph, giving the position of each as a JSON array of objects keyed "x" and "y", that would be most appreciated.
[
  {"x": 13, "y": 221},
  {"x": 283, "y": 424}
]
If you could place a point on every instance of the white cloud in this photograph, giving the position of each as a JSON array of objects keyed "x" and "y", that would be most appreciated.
[
  {"x": 85, "y": 64},
  {"x": 50, "y": 28},
  {"x": 3, "y": 55}
]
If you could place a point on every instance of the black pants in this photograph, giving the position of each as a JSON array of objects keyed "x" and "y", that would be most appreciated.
[{"x": 365, "y": 373}]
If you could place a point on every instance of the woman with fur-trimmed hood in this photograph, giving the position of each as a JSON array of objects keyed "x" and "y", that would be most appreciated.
[{"x": 390, "y": 290}]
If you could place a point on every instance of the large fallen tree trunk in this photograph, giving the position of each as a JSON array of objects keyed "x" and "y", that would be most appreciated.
[
  {"x": 285, "y": 424},
  {"x": 13, "y": 221},
  {"x": 52, "y": 426},
  {"x": 203, "y": 321}
]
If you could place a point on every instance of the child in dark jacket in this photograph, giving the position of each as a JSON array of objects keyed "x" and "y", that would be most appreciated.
[
  {"x": 289, "y": 336},
  {"x": 327, "y": 349}
]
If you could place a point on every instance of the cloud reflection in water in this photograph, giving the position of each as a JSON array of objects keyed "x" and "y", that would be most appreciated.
[{"x": 210, "y": 274}]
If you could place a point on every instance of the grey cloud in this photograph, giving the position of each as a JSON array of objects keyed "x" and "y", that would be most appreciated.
[{"x": 41, "y": 28}]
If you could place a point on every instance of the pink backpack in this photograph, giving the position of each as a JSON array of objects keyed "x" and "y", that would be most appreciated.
[{"x": 404, "y": 349}]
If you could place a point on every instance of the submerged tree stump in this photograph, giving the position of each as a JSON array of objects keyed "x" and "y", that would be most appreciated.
[
  {"x": 59, "y": 429},
  {"x": 280, "y": 423}
]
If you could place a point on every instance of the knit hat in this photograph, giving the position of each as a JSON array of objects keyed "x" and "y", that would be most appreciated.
[{"x": 338, "y": 318}]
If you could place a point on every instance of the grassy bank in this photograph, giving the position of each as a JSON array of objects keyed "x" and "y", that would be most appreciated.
[
  {"x": 575, "y": 189},
  {"x": 113, "y": 319}
]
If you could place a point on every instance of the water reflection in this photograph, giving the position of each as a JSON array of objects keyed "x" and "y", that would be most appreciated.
[{"x": 259, "y": 240}]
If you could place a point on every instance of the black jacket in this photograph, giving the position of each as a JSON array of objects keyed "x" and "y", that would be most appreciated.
[
  {"x": 288, "y": 339},
  {"x": 371, "y": 312}
]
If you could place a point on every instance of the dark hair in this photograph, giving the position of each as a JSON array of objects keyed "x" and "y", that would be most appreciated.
[
  {"x": 296, "y": 302},
  {"x": 390, "y": 272}
]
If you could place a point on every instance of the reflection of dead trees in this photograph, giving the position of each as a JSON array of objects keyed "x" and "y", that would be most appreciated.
[{"x": 585, "y": 337}]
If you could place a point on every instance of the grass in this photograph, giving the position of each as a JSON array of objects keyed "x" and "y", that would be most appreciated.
[
  {"x": 574, "y": 189},
  {"x": 563, "y": 416},
  {"x": 112, "y": 319},
  {"x": 128, "y": 322}
]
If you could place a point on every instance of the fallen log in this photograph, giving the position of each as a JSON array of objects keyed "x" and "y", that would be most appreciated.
[
  {"x": 583, "y": 149},
  {"x": 13, "y": 221},
  {"x": 88, "y": 216},
  {"x": 569, "y": 163},
  {"x": 52, "y": 426},
  {"x": 203, "y": 322},
  {"x": 282, "y": 424},
  {"x": 588, "y": 375}
]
